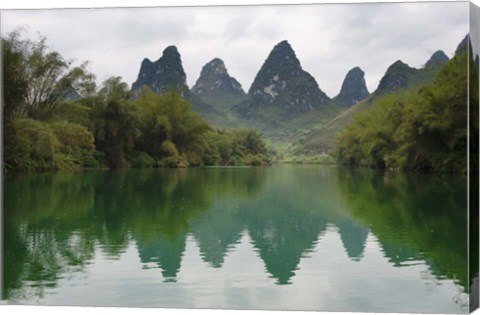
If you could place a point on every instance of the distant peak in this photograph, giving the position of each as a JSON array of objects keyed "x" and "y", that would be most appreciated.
[
  {"x": 215, "y": 66},
  {"x": 216, "y": 61},
  {"x": 171, "y": 51},
  {"x": 398, "y": 75},
  {"x": 146, "y": 61},
  {"x": 164, "y": 74},
  {"x": 171, "y": 48},
  {"x": 282, "y": 55},
  {"x": 356, "y": 70},
  {"x": 463, "y": 46},
  {"x": 399, "y": 63},
  {"x": 284, "y": 45},
  {"x": 439, "y": 53},
  {"x": 214, "y": 80},
  {"x": 354, "y": 88},
  {"x": 438, "y": 58},
  {"x": 281, "y": 82}
]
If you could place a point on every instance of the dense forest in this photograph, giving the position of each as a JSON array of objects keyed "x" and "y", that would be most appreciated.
[
  {"x": 422, "y": 130},
  {"x": 56, "y": 117}
]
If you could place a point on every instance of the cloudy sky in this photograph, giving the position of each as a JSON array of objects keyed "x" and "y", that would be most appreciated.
[{"x": 329, "y": 39}]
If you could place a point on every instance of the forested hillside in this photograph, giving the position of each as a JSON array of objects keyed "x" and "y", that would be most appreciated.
[
  {"x": 421, "y": 129},
  {"x": 55, "y": 117}
]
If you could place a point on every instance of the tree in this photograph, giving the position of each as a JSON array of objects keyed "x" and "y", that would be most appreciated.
[
  {"x": 14, "y": 79},
  {"x": 36, "y": 77},
  {"x": 169, "y": 128},
  {"x": 115, "y": 123}
]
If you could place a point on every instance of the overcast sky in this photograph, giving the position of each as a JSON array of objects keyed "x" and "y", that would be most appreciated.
[{"x": 328, "y": 39}]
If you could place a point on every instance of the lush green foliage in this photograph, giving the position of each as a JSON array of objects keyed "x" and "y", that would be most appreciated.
[
  {"x": 56, "y": 118},
  {"x": 170, "y": 131},
  {"x": 113, "y": 123},
  {"x": 42, "y": 145},
  {"x": 425, "y": 129},
  {"x": 36, "y": 84},
  {"x": 238, "y": 147}
]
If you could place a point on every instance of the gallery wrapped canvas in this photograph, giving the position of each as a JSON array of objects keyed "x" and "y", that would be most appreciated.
[{"x": 319, "y": 157}]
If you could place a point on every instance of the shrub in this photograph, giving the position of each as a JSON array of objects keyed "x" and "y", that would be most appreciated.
[
  {"x": 35, "y": 146},
  {"x": 142, "y": 159}
]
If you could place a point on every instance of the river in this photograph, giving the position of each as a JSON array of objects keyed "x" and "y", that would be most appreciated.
[{"x": 286, "y": 237}]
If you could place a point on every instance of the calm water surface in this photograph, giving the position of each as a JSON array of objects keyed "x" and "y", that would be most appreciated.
[{"x": 283, "y": 237}]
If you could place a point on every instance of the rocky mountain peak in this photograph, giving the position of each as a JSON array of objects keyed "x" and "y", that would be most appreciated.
[
  {"x": 397, "y": 76},
  {"x": 146, "y": 63},
  {"x": 438, "y": 58},
  {"x": 280, "y": 64},
  {"x": 163, "y": 75},
  {"x": 171, "y": 52},
  {"x": 281, "y": 82},
  {"x": 463, "y": 45},
  {"x": 215, "y": 67},
  {"x": 284, "y": 55},
  {"x": 215, "y": 86},
  {"x": 354, "y": 88}
]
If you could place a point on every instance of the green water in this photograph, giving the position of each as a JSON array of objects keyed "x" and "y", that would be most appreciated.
[{"x": 283, "y": 237}]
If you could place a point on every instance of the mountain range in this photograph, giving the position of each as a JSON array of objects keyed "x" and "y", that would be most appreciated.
[{"x": 284, "y": 101}]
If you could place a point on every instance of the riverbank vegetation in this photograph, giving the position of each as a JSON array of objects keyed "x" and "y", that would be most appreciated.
[
  {"x": 420, "y": 130},
  {"x": 56, "y": 117}
]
